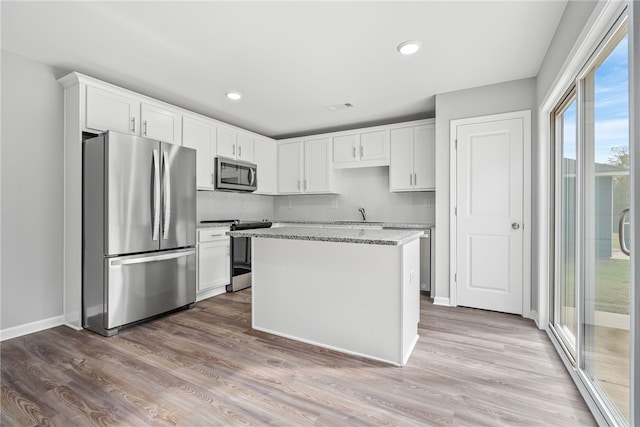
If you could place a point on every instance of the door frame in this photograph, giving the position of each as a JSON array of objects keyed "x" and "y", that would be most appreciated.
[{"x": 525, "y": 115}]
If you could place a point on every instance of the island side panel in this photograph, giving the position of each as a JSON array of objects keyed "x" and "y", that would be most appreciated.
[
  {"x": 410, "y": 297},
  {"x": 344, "y": 296}
]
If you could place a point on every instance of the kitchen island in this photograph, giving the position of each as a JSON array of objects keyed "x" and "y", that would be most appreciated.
[{"x": 353, "y": 291}]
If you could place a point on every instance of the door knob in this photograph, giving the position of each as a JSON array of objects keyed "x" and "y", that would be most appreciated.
[{"x": 515, "y": 225}]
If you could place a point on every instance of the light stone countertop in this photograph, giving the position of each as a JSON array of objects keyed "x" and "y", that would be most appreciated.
[
  {"x": 385, "y": 224},
  {"x": 409, "y": 226},
  {"x": 364, "y": 236},
  {"x": 214, "y": 225}
]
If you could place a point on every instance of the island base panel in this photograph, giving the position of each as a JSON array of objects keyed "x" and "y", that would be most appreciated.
[{"x": 344, "y": 296}]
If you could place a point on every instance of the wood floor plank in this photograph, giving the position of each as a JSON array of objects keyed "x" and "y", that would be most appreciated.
[{"x": 206, "y": 366}]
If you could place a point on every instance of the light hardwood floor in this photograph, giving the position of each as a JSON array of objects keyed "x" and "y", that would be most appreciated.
[{"x": 207, "y": 367}]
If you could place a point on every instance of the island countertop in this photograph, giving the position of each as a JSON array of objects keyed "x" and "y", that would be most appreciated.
[{"x": 363, "y": 236}]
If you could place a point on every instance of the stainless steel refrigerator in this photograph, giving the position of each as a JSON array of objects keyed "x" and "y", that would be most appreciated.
[{"x": 139, "y": 230}]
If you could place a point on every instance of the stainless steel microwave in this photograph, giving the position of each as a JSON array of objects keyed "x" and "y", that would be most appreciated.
[{"x": 235, "y": 175}]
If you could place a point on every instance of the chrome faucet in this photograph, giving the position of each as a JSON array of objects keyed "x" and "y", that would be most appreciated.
[{"x": 364, "y": 214}]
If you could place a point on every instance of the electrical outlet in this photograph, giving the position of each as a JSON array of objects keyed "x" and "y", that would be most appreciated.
[
  {"x": 427, "y": 203},
  {"x": 334, "y": 204},
  {"x": 289, "y": 204}
]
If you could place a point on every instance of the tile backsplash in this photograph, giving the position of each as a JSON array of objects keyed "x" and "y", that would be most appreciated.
[
  {"x": 366, "y": 187},
  {"x": 229, "y": 205}
]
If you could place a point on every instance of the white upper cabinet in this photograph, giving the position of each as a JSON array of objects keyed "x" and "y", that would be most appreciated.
[
  {"x": 226, "y": 142},
  {"x": 425, "y": 157},
  {"x": 304, "y": 167},
  {"x": 412, "y": 166},
  {"x": 375, "y": 146},
  {"x": 245, "y": 147},
  {"x": 201, "y": 136},
  {"x": 235, "y": 145},
  {"x": 110, "y": 110},
  {"x": 345, "y": 149},
  {"x": 161, "y": 123},
  {"x": 362, "y": 148},
  {"x": 290, "y": 172},
  {"x": 265, "y": 158},
  {"x": 318, "y": 173}
]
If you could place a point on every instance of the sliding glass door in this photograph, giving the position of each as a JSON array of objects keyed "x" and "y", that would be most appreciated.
[
  {"x": 606, "y": 189},
  {"x": 591, "y": 296},
  {"x": 566, "y": 166}
]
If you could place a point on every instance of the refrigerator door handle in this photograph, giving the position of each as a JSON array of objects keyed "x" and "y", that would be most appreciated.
[
  {"x": 156, "y": 195},
  {"x": 136, "y": 259},
  {"x": 167, "y": 195}
]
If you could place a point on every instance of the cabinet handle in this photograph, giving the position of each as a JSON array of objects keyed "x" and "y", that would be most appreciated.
[
  {"x": 233, "y": 149},
  {"x": 240, "y": 151},
  {"x": 410, "y": 179},
  {"x": 133, "y": 124},
  {"x": 415, "y": 179},
  {"x": 298, "y": 184},
  {"x": 144, "y": 128},
  {"x": 361, "y": 151},
  {"x": 305, "y": 185},
  {"x": 354, "y": 151}
]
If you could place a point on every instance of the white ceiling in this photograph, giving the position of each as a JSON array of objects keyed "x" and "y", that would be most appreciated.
[{"x": 290, "y": 60}]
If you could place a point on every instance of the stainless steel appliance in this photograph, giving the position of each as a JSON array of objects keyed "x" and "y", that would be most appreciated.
[
  {"x": 427, "y": 272},
  {"x": 139, "y": 230},
  {"x": 235, "y": 175}
]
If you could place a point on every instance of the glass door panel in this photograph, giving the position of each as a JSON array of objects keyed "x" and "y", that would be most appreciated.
[
  {"x": 606, "y": 191},
  {"x": 566, "y": 140}
]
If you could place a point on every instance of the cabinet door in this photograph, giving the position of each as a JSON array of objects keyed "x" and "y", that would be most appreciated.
[
  {"x": 265, "y": 157},
  {"x": 213, "y": 264},
  {"x": 201, "y": 137},
  {"x": 424, "y": 164},
  {"x": 374, "y": 145},
  {"x": 289, "y": 167},
  {"x": 225, "y": 142},
  {"x": 161, "y": 124},
  {"x": 245, "y": 147},
  {"x": 107, "y": 110},
  {"x": 401, "y": 159},
  {"x": 345, "y": 148},
  {"x": 317, "y": 165}
]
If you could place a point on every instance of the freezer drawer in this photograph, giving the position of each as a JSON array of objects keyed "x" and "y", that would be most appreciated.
[{"x": 140, "y": 286}]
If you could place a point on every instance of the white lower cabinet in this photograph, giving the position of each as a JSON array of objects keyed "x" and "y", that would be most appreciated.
[{"x": 214, "y": 262}]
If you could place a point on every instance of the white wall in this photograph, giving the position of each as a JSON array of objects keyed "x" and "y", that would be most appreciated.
[
  {"x": 229, "y": 205},
  {"x": 571, "y": 24},
  {"x": 499, "y": 98},
  {"x": 32, "y": 191},
  {"x": 365, "y": 187}
]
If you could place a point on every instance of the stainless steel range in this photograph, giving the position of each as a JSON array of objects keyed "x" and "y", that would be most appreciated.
[{"x": 241, "y": 252}]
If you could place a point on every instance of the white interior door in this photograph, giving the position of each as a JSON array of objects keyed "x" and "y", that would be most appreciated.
[{"x": 489, "y": 220}]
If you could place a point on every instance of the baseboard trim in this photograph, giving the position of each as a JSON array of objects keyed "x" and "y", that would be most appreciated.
[
  {"x": 441, "y": 301},
  {"x": 533, "y": 314},
  {"x": 30, "y": 328}
]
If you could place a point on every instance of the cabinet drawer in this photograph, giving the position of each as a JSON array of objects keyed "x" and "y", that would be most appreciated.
[{"x": 209, "y": 235}]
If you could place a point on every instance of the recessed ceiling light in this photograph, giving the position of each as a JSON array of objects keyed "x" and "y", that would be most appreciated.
[
  {"x": 234, "y": 95},
  {"x": 409, "y": 47}
]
